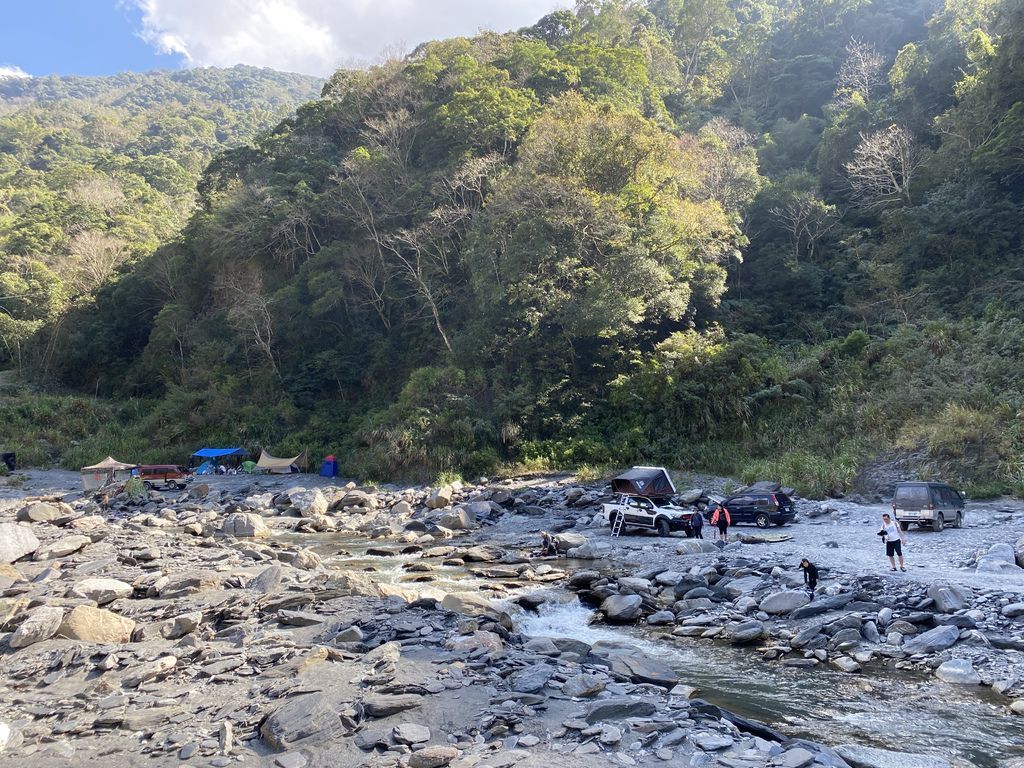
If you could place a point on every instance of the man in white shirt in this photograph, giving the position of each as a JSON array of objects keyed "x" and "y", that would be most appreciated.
[{"x": 892, "y": 535}]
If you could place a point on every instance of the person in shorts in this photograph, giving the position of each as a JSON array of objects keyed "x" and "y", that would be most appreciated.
[{"x": 892, "y": 535}]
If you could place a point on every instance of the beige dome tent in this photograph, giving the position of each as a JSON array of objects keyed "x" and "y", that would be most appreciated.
[
  {"x": 108, "y": 471},
  {"x": 276, "y": 466}
]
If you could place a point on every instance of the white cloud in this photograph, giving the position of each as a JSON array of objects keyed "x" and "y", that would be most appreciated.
[
  {"x": 318, "y": 36},
  {"x": 11, "y": 72}
]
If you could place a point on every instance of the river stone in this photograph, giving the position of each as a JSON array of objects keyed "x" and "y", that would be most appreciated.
[
  {"x": 999, "y": 558},
  {"x": 948, "y": 598},
  {"x": 747, "y": 632},
  {"x": 592, "y": 550},
  {"x": 784, "y": 602},
  {"x": 738, "y": 587},
  {"x": 458, "y": 519},
  {"x": 39, "y": 512},
  {"x": 16, "y": 541},
  {"x": 440, "y": 498},
  {"x": 63, "y": 547},
  {"x": 619, "y": 708},
  {"x": 660, "y": 618},
  {"x": 411, "y": 733},
  {"x": 1013, "y": 610},
  {"x": 531, "y": 679},
  {"x": 382, "y": 705},
  {"x": 568, "y": 540},
  {"x": 643, "y": 669},
  {"x": 871, "y": 757},
  {"x": 95, "y": 625},
  {"x": 101, "y": 591},
  {"x": 432, "y": 757},
  {"x": 150, "y": 671},
  {"x": 959, "y": 671},
  {"x": 823, "y": 605},
  {"x": 484, "y": 553},
  {"x": 797, "y": 757},
  {"x": 583, "y": 686},
  {"x": 308, "y": 719},
  {"x": 470, "y": 605},
  {"x": 846, "y": 664},
  {"x": 622, "y": 609},
  {"x": 42, "y": 624},
  {"x": 634, "y": 584},
  {"x": 932, "y": 641},
  {"x": 1018, "y": 552},
  {"x": 712, "y": 742},
  {"x": 246, "y": 525}
]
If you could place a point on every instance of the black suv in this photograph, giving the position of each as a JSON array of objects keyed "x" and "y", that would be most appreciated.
[{"x": 762, "y": 509}]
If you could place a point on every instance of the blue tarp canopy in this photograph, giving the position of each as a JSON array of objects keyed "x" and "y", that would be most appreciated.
[{"x": 219, "y": 453}]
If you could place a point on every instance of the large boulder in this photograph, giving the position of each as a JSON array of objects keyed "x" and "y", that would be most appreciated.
[
  {"x": 440, "y": 497},
  {"x": 784, "y": 602},
  {"x": 592, "y": 550},
  {"x": 246, "y": 525},
  {"x": 871, "y": 757},
  {"x": 16, "y": 541},
  {"x": 622, "y": 609},
  {"x": 63, "y": 547},
  {"x": 948, "y": 597},
  {"x": 932, "y": 641},
  {"x": 639, "y": 668},
  {"x": 470, "y": 605},
  {"x": 747, "y": 632},
  {"x": 1018, "y": 552},
  {"x": 304, "y": 720},
  {"x": 459, "y": 519},
  {"x": 95, "y": 625},
  {"x": 1000, "y": 558},
  {"x": 309, "y": 503},
  {"x": 959, "y": 671},
  {"x": 100, "y": 591},
  {"x": 41, "y": 624},
  {"x": 568, "y": 540},
  {"x": 40, "y": 512}
]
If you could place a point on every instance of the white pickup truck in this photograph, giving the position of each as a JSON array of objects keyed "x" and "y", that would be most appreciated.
[{"x": 651, "y": 514}]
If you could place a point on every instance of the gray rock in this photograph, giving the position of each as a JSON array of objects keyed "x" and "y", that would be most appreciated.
[
  {"x": 712, "y": 742},
  {"x": 531, "y": 679},
  {"x": 40, "y": 512},
  {"x": 959, "y": 671},
  {"x": 661, "y": 618},
  {"x": 796, "y": 758},
  {"x": 583, "y": 686},
  {"x": 948, "y": 598},
  {"x": 305, "y": 720},
  {"x": 440, "y": 498},
  {"x": 1018, "y": 552},
  {"x": 747, "y": 632},
  {"x": 290, "y": 760},
  {"x": 846, "y": 664},
  {"x": 870, "y": 757},
  {"x": 622, "y": 609},
  {"x": 42, "y": 624},
  {"x": 102, "y": 591},
  {"x": 246, "y": 525},
  {"x": 823, "y": 605},
  {"x": 458, "y": 519},
  {"x": 1000, "y": 558},
  {"x": 784, "y": 602},
  {"x": 643, "y": 669},
  {"x": 382, "y": 705},
  {"x": 932, "y": 641},
  {"x": 16, "y": 541},
  {"x": 619, "y": 708},
  {"x": 61, "y": 548},
  {"x": 432, "y": 757},
  {"x": 411, "y": 733},
  {"x": 1013, "y": 610}
]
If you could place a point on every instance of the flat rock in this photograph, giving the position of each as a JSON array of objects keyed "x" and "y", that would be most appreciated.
[
  {"x": 871, "y": 757},
  {"x": 619, "y": 708},
  {"x": 382, "y": 705},
  {"x": 150, "y": 671},
  {"x": 246, "y": 525},
  {"x": 411, "y": 733},
  {"x": 62, "y": 547},
  {"x": 16, "y": 541},
  {"x": 747, "y": 632},
  {"x": 101, "y": 591},
  {"x": 784, "y": 602},
  {"x": 959, "y": 671},
  {"x": 643, "y": 669},
  {"x": 583, "y": 686},
  {"x": 932, "y": 641},
  {"x": 95, "y": 625},
  {"x": 432, "y": 757},
  {"x": 305, "y": 720},
  {"x": 948, "y": 598},
  {"x": 40, "y": 512},
  {"x": 42, "y": 624},
  {"x": 531, "y": 679}
]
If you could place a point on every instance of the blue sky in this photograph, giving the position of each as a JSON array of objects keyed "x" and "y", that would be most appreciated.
[
  {"x": 76, "y": 37},
  {"x": 100, "y": 37}
]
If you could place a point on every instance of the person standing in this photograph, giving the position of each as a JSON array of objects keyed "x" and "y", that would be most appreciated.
[
  {"x": 892, "y": 535},
  {"x": 722, "y": 520},
  {"x": 810, "y": 575},
  {"x": 697, "y": 525}
]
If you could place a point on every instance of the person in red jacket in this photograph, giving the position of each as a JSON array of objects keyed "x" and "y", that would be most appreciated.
[{"x": 722, "y": 520}]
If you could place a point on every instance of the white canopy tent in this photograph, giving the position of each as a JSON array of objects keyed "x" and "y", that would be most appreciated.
[{"x": 108, "y": 471}]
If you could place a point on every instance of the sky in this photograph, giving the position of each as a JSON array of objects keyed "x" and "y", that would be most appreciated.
[{"x": 315, "y": 37}]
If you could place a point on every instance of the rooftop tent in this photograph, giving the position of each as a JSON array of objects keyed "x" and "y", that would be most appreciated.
[
  {"x": 276, "y": 466},
  {"x": 219, "y": 453},
  {"x": 652, "y": 482},
  {"x": 108, "y": 471}
]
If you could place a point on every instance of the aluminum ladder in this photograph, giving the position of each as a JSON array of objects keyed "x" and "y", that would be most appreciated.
[{"x": 617, "y": 525}]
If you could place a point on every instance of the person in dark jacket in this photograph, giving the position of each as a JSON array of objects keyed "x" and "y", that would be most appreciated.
[
  {"x": 697, "y": 525},
  {"x": 810, "y": 575}
]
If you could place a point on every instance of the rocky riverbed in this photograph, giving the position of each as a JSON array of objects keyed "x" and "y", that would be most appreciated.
[{"x": 291, "y": 622}]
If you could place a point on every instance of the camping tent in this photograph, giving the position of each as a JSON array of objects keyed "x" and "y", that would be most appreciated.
[
  {"x": 276, "y": 466},
  {"x": 218, "y": 453},
  {"x": 329, "y": 467},
  {"x": 249, "y": 467},
  {"x": 652, "y": 482},
  {"x": 108, "y": 471}
]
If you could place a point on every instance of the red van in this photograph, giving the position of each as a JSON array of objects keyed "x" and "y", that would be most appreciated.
[{"x": 166, "y": 475}]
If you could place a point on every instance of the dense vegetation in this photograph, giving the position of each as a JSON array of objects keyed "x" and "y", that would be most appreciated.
[{"x": 767, "y": 237}]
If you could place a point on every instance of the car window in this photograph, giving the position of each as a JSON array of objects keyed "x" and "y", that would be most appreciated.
[{"x": 912, "y": 493}]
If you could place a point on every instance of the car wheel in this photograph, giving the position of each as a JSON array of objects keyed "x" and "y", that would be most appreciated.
[
  {"x": 959, "y": 520},
  {"x": 938, "y": 523},
  {"x": 904, "y": 525},
  {"x": 148, "y": 485},
  {"x": 762, "y": 520},
  {"x": 664, "y": 529}
]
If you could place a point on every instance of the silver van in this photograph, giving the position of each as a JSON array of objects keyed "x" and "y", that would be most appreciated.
[{"x": 932, "y": 505}]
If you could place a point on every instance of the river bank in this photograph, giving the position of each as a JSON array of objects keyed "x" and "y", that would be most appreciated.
[{"x": 254, "y": 622}]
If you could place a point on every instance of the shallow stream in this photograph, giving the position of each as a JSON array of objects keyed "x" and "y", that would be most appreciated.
[{"x": 884, "y": 708}]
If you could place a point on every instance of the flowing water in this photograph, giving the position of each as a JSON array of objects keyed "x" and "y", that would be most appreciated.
[{"x": 882, "y": 708}]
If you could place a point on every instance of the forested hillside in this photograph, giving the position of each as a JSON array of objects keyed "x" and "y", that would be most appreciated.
[
  {"x": 97, "y": 172},
  {"x": 775, "y": 238}
]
